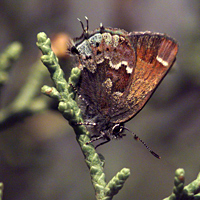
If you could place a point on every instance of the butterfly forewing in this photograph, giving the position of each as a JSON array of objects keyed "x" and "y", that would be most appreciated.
[{"x": 155, "y": 55}]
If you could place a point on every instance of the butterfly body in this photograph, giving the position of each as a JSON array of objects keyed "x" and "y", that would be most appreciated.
[{"x": 120, "y": 72}]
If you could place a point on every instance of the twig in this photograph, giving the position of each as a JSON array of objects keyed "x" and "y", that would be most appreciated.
[
  {"x": 189, "y": 192},
  {"x": 70, "y": 110}
]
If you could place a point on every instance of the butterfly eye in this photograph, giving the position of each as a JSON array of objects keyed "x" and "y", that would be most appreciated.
[{"x": 117, "y": 129}]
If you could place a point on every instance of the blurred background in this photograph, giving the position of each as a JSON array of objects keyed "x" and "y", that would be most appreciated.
[{"x": 40, "y": 158}]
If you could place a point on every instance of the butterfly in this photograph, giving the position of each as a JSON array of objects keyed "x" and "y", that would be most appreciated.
[{"x": 119, "y": 73}]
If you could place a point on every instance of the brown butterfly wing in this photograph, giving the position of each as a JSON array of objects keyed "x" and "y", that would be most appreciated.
[{"x": 155, "y": 55}]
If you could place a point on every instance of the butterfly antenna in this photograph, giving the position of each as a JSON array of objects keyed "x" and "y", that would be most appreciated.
[
  {"x": 85, "y": 29},
  {"x": 87, "y": 22},
  {"x": 148, "y": 148},
  {"x": 101, "y": 28},
  {"x": 81, "y": 24}
]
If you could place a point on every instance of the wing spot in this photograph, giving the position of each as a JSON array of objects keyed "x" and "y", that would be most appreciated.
[
  {"x": 163, "y": 62},
  {"x": 129, "y": 70}
]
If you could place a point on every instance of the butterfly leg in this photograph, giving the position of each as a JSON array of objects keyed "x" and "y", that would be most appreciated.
[
  {"x": 102, "y": 136},
  {"x": 102, "y": 143}
]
